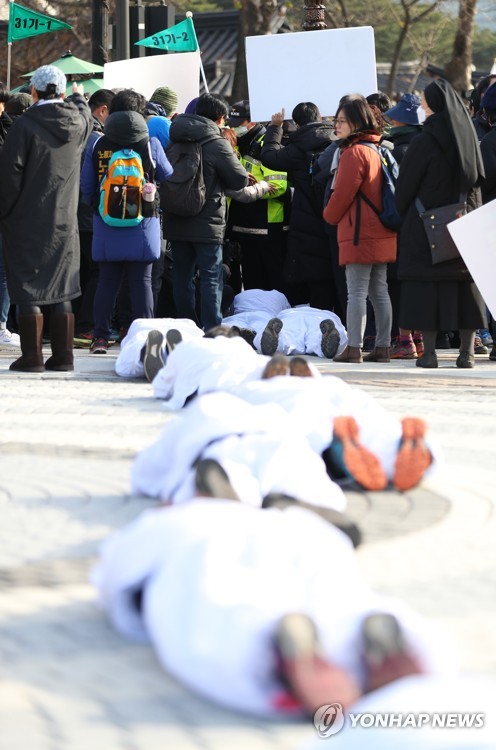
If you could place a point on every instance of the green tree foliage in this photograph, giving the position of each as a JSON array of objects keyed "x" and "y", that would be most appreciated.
[{"x": 484, "y": 49}]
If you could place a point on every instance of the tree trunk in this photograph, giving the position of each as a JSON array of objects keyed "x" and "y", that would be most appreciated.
[
  {"x": 254, "y": 19},
  {"x": 459, "y": 70},
  {"x": 99, "y": 32},
  {"x": 397, "y": 52}
]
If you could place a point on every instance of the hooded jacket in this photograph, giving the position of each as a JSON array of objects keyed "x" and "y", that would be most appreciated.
[
  {"x": 221, "y": 171},
  {"x": 141, "y": 242},
  {"x": 39, "y": 190},
  {"x": 308, "y": 245}
]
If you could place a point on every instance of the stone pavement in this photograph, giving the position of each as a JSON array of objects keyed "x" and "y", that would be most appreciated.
[{"x": 66, "y": 445}]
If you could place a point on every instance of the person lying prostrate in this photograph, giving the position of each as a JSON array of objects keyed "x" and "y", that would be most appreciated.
[
  {"x": 253, "y": 300},
  {"x": 204, "y": 365},
  {"x": 217, "y": 587},
  {"x": 257, "y": 446},
  {"x": 297, "y": 330},
  {"x": 134, "y": 357}
]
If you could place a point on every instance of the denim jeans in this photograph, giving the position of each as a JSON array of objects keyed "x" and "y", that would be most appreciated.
[
  {"x": 4, "y": 293},
  {"x": 207, "y": 257},
  {"x": 368, "y": 281}
]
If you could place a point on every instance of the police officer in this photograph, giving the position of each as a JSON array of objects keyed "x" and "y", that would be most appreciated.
[{"x": 259, "y": 227}]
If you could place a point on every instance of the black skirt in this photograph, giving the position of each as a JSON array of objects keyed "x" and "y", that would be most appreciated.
[{"x": 441, "y": 306}]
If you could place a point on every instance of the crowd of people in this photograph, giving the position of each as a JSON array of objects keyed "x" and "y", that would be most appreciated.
[
  {"x": 214, "y": 248},
  {"x": 292, "y": 205}
]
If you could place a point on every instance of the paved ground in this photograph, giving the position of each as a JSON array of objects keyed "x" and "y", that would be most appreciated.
[{"x": 66, "y": 445}]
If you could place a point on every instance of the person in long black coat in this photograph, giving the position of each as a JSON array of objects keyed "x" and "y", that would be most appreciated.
[
  {"x": 308, "y": 260},
  {"x": 39, "y": 191},
  {"x": 442, "y": 163}
]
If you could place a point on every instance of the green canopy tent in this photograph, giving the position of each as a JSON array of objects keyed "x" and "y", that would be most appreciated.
[
  {"x": 73, "y": 66},
  {"x": 78, "y": 70},
  {"x": 90, "y": 86}
]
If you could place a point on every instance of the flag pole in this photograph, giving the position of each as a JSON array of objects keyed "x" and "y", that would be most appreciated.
[
  {"x": 9, "y": 45},
  {"x": 202, "y": 70}
]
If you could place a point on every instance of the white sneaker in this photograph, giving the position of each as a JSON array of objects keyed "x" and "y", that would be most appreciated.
[{"x": 8, "y": 339}]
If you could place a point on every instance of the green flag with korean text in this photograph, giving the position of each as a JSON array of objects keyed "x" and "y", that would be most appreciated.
[
  {"x": 24, "y": 23},
  {"x": 178, "y": 38}
]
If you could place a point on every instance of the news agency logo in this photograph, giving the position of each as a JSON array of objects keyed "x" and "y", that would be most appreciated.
[{"x": 329, "y": 720}]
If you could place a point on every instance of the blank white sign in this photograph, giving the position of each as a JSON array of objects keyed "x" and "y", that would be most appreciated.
[
  {"x": 180, "y": 72},
  {"x": 309, "y": 66},
  {"x": 475, "y": 237}
]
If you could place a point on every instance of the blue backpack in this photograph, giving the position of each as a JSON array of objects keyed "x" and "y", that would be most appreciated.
[
  {"x": 389, "y": 215},
  {"x": 120, "y": 202}
]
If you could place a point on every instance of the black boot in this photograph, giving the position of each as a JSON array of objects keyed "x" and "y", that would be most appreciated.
[
  {"x": 62, "y": 341},
  {"x": 30, "y": 332}
]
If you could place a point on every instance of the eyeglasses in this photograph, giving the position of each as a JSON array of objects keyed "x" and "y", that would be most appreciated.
[{"x": 340, "y": 122}]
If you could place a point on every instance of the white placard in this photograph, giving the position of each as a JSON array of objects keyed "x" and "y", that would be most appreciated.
[
  {"x": 475, "y": 238},
  {"x": 180, "y": 72},
  {"x": 309, "y": 66}
]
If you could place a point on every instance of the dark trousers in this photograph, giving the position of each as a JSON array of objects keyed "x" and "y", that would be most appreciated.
[
  {"x": 207, "y": 257},
  {"x": 88, "y": 280},
  {"x": 262, "y": 260},
  {"x": 139, "y": 279}
]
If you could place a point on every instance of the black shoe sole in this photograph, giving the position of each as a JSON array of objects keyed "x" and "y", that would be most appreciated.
[
  {"x": 153, "y": 360},
  {"x": 330, "y": 338},
  {"x": 172, "y": 339},
  {"x": 270, "y": 337},
  {"x": 212, "y": 481}
]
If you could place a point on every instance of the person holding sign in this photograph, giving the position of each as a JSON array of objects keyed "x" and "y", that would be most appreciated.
[{"x": 308, "y": 268}]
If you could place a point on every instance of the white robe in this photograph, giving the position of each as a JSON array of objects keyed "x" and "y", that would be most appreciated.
[
  {"x": 258, "y": 446},
  {"x": 300, "y": 332},
  {"x": 203, "y": 365},
  {"x": 251, "y": 300},
  {"x": 313, "y": 404},
  {"x": 217, "y": 577},
  {"x": 128, "y": 363}
]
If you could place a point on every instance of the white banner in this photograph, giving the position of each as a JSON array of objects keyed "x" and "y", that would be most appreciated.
[
  {"x": 179, "y": 72},
  {"x": 309, "y": 66},
  {"x": 475, "y": 238}
]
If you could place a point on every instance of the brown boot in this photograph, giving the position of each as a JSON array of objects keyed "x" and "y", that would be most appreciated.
[
  {"x": 350, "y": 354},
  {"x": 378, "y": 354},
  {"x": 30, "y": 331},
  {"x": 62, "y": 341}
]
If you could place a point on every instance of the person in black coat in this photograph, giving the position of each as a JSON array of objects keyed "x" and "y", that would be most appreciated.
[
  {"x": 488, "y": 146},
  {"x": 308, "y": 259},
  {"x": 405, "y": 125},
  {"x": 39, "y": 191},
  {"x": 442, "y": 164}
]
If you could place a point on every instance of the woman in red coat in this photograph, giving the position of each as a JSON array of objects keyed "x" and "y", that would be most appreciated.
[{"x": 365, "y": 245}]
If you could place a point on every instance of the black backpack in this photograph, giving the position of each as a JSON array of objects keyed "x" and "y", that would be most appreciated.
[{"x": 184, "y": 193}]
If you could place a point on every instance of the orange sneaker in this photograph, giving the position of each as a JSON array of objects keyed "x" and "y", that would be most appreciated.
[
  {"x": 414, "y": 458},
  {"x": 359, "y": 462}
]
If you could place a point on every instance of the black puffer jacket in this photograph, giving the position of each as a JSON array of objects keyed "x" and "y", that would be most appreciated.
[
  {"x": 222, "y": 170},
  {"x": 401, "y": 137},
  {"x": 431, "y": 171},
  {"x": 308, "y": 243},
  {"x": 39, "y": 190}
]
